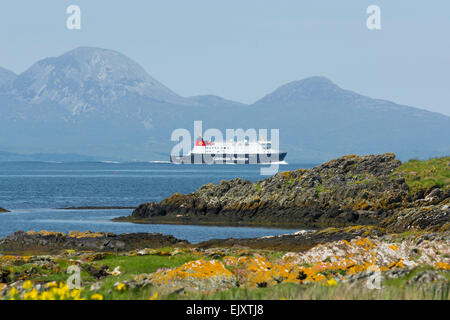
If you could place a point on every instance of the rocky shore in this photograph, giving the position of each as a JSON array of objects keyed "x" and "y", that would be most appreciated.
[
  {"x": 49, "y": 242},
  {"x": 372, "y": 223},
  {"x": 350, "y": 191}
]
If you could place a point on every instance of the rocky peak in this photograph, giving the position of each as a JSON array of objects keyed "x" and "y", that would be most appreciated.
[{"x": 85, "y": 78}]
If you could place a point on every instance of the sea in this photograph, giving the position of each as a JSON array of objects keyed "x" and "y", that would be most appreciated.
[{"x": 37, "y": 194}]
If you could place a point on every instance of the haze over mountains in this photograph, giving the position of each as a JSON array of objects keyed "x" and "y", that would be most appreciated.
[{"x": 99, "y": 102}]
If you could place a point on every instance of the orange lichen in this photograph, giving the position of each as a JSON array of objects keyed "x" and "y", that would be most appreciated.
[
  {"x": 199, "y": 269},
  {"x": 442, "y": 265}
]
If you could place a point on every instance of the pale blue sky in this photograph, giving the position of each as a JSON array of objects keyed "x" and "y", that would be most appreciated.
[{"x": 244, "y": 49}]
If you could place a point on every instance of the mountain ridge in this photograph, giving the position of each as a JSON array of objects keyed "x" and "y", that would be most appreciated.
[
  {"x": 100, "y": 102},
  {"x": 86, "y": 76}
]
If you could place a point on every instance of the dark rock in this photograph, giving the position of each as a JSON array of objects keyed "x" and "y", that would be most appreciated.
[
  {"x": 396, "y": 273},
  {"x": 4, "y": 276},
  {"x": 425, "y": 277},
  {"x": 3, "y": 210},
  {"x": 97, "y": 273},
  {"x": 298, "y": 241},
  {"x": 360, "y": 278},
  {"x": 54, "y": 242},
  {"x": 351, "y": 190},
  {"x": 431, "y": 218}
]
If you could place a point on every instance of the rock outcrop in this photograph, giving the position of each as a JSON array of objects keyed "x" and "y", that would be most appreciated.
[
  {"x": 297, "y": 241},
  {"x": 351, "y": 190},
  {"x": 3, "y": 210},
  {"x": 53, "y": 242}
]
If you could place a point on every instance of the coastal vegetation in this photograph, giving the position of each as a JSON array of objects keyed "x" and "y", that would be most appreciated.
[
  {"x": 408, "y": 267},
  {"x": 433, "y": 173}
]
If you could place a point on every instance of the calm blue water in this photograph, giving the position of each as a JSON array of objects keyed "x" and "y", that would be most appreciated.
[{"x": 35, "y": 192}]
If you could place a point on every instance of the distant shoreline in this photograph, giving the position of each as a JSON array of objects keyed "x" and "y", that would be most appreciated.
[{"x": 97, "y": 208}]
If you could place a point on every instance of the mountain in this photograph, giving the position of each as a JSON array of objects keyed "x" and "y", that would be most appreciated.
[
  {"x": 6, "y": 79},
  {"x": 327, "y": 121},
  {"x": 99, "y": 102},
  {"x": 86, "y": 78},
  {"x": 303, "y": 91}
]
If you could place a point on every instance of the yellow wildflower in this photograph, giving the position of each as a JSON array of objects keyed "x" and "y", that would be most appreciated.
[
  {"x": 46, "y": 295},
  {"x": 96, "y": 296},
  {"x": 51, "y": 284},
  {"x": 32, "y": 295},
  {"x": 121, "y": 287},
  {"x": 154, "y": 297},
  {"x": 13, "y": 292},
  {"x": 332, "y": 282},
  {"x": 27, "y": 285},
  {"x": 75, "y": 293}
]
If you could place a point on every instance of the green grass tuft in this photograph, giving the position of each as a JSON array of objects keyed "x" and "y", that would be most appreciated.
[{"x": 426, "y": 174}]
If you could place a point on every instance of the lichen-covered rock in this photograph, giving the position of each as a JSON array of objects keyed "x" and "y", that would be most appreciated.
[
  {"x": 354, "y": 261},
  {"x": 385, "y": 253},
  {"x": 200, "y": 275}
]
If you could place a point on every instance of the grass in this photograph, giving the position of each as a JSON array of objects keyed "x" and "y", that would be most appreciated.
[
  {"x": 144, "y": 264},
  {"x": 134, "y": 265},
  {"x": 342, "y": 291},
  {"x": 130, "y": 266},
  {"x": 319, "y": 189},
  {"x": 426, "y": 174},
  {"x": 392, "y": 288}
]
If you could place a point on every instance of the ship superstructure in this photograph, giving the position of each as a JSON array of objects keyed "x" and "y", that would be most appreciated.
[{"x": 236, "y": 152}]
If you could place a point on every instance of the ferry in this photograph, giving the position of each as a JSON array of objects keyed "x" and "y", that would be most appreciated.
[{"x": 231, "y": 152}]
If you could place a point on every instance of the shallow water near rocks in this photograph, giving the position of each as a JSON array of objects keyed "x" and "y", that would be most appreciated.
[{"x": 34, "y": 190}]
